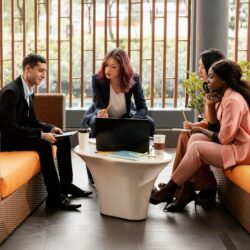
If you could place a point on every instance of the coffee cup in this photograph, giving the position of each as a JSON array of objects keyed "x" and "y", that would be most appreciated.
[
  {"x": 83, "y": 137},
  {"x": 159, "y": 145}
]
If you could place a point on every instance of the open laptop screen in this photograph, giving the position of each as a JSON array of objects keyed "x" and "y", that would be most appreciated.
[{"x": 122, "y": 134}]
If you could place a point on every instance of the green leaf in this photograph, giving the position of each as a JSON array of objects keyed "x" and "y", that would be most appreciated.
[{"x": 194, "y": 88}]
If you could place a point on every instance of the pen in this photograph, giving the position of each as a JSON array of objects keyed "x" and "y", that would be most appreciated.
[
  {"x": 184, "y": 116},
  {"x": 110, "y": 104}
]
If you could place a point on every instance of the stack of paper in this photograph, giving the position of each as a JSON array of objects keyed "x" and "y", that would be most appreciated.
[{"x": 128, "y": 155}]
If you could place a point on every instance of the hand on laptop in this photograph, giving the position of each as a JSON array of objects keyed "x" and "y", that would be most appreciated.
[{"x": 103, "y": 113}]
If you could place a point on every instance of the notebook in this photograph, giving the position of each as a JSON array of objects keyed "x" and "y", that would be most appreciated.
[{"x": 122, "y": 134}]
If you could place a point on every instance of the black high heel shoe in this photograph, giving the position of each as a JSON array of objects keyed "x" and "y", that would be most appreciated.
[
  {"x": 155, "y": 201},
  {"x": 180, "y": 204},
  {"x": 187, "y": 195},
  {"x": 166, "y": 194}
]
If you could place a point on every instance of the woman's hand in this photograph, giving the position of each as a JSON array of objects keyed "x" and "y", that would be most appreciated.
[
  {"x": 103, "y": 113},
  {"x": 212, "y": 98},
  {"x": 188, "y": 125}
]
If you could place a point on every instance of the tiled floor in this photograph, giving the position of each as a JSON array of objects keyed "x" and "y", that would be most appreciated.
[{"x": 211, "y": 228}]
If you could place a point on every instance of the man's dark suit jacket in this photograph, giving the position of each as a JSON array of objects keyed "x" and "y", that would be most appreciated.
[
  {"x": 101, "y": 92},
  {"x": 17, "y": 120}
]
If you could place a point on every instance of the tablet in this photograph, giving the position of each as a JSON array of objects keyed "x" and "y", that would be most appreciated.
[{"x": 69, "y": 133}]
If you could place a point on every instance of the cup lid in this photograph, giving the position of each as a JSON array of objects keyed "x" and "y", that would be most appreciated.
[{"x": 84, "y": 130}]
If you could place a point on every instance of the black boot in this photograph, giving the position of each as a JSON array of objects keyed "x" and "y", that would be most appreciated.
[
  {"x": 166, "y": 194},
  {"x": 187, "y": 195},
  {"x": 206, "y": 196}
]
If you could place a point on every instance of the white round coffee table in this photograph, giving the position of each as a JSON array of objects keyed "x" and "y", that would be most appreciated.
[{"x": 123, "y": 186}]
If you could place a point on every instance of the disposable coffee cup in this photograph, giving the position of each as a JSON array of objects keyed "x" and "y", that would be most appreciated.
[
  {"x": 159, "y": 145},
  {"x": 83, "y": 137}
]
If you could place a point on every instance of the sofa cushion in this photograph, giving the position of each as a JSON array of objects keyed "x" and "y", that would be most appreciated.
[
  {"x": 17, "y": 168},
  {"x": 240, "y": 176}
]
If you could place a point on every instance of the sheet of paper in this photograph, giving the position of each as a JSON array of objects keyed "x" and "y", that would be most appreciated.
[{"x": 181, "y": 129}]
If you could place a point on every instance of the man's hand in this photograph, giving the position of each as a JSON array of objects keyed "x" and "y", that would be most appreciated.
[
  {"x": 56, "y": 130},
  {"x": 49, "y": 137}
]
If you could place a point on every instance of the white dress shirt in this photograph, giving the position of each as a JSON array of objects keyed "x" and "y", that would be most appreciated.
[{"x": 118, "y": 108}]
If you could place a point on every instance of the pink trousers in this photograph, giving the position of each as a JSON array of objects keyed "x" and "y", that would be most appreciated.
[
  {"x": 201, "y": 151},
  {"x": 204, "y": 178}
]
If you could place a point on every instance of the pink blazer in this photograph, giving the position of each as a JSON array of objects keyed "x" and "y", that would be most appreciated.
[{"x": 234, "y": 117}]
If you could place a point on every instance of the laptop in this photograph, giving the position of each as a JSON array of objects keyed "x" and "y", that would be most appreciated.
[{"x": 114, "y": 134}]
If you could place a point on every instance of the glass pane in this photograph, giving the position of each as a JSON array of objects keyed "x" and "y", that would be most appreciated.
[
  {"x": 53, "y": 72},
  {"x": 18, "y": 58},
  {"x": 134, "y": 58},
  {"x": 76, "y": 93},
  {"x": 146, "y": 78},
  {"x": 7, "y": 72}
]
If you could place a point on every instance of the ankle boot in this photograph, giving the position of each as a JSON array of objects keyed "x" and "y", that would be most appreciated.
[
  {"x": 206, "y": 196},
  {"x": 166, "y": 194},
  {"x": 187, "y": 195}
]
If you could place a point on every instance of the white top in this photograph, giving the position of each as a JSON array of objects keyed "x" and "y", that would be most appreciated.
[
  {"x": 27, "y": 91},
  {"x": 118, "y": 108}
]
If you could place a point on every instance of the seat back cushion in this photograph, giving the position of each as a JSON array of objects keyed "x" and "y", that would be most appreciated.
[{"x": 17, "y": 168}]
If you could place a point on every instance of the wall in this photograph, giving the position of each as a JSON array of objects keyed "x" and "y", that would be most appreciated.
[{"x": 164, "y": 119}]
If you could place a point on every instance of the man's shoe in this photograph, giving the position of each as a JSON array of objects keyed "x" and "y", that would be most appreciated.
[
  {"x": 61, "y": 202},
  {"x": 76, "y": 192}
]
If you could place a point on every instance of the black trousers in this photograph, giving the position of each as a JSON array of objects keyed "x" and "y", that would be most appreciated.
[{"x": 54, "y": 186}]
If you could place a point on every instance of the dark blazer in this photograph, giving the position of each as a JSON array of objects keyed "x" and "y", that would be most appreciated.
[
  {"x": 17, "y": 120},
  {"x": 101, "y": 92}
]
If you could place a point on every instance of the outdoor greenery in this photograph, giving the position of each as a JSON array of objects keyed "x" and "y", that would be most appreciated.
[
  {"x": 98, "y": 44},
  {"x": 245, "y": 67},
  {"x": 194, "y": 88}
]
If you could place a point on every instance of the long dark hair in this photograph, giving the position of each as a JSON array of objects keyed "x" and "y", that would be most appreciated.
[
  {"x": 210, "y": 56},
  {"x": 126, "y": 71},
  {"x": 230, "y": 72}
]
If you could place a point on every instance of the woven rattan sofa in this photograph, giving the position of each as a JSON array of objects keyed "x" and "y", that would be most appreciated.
[
  {"x": 234, "y": 192},
  {"x": 17, "y": 201}
]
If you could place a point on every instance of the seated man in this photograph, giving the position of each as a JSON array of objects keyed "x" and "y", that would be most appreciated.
[{"x": 20, "y": 130}]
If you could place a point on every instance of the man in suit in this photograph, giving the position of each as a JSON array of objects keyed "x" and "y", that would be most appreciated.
[{"x": 20, "y": 130}]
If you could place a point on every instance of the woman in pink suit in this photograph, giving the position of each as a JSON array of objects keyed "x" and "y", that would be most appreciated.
[{"x": 228, "y": 104}]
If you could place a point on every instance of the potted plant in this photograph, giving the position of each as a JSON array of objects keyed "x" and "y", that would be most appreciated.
[
  {"x": 194, "y": 88},
  {"x": 245, "y": 67}
]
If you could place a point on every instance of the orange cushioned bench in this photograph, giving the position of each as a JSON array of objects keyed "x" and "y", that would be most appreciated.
[
  {"x": 22, "y": 187},
  {"x": 16, "y": 169},
  {"x": 234, "y": 192}
]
